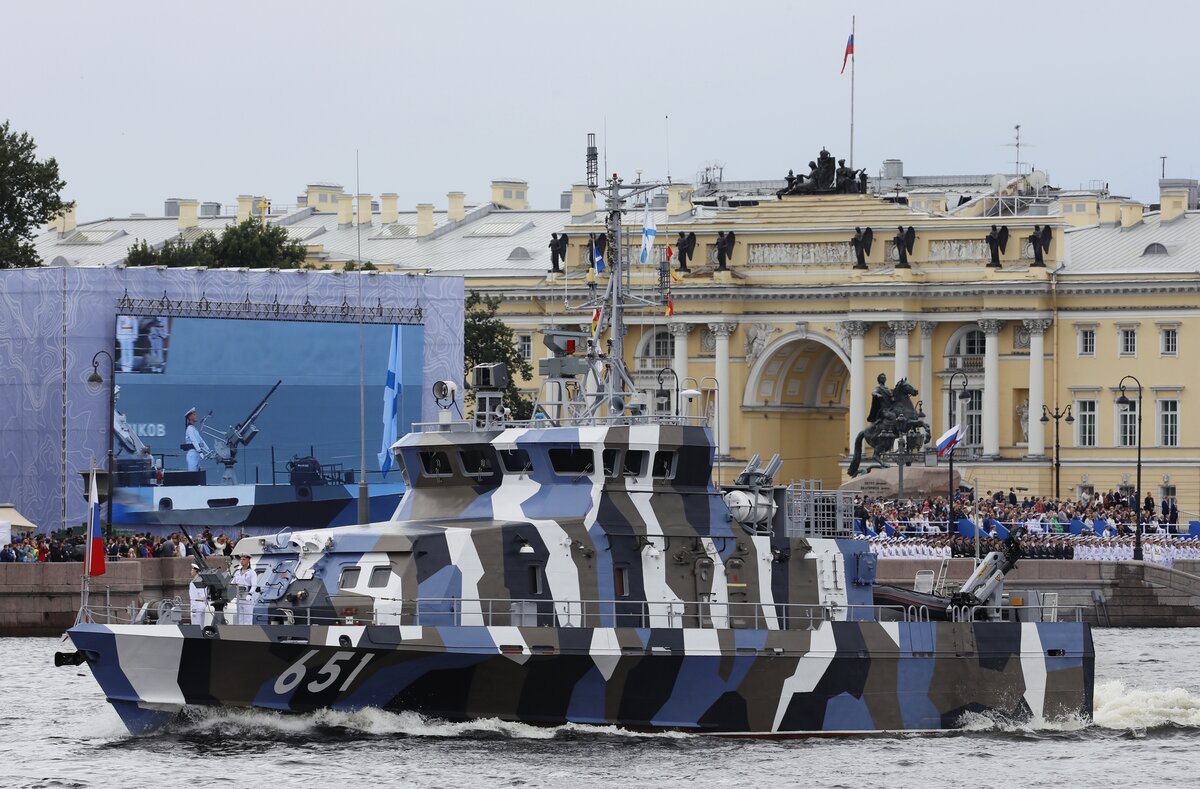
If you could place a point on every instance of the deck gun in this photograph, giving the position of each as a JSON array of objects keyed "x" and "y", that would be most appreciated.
[
  {"x": 985, "y": 587},
  {"x": 225, "y": 445}
]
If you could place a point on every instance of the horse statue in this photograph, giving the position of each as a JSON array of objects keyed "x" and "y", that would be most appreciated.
[{"x": 898, "y": 426}]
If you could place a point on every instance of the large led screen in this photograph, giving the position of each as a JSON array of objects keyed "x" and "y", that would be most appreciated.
[{"x": 253, "y": 427}]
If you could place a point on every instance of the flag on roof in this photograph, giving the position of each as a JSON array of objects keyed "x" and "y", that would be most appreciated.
[
  {"x": 949, "y": 439},
  {"x": 849, "y": 52},
  {"x": 649, "y": 231}
]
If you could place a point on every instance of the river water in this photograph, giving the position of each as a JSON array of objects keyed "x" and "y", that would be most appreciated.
[{"x": 56, "y": 730}]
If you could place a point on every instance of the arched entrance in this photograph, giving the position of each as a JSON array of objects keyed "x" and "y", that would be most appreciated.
[{"x": 796, "y": 403}]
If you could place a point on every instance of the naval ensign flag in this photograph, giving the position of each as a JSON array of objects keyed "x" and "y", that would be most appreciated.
[{"x": 391, "y": 403}]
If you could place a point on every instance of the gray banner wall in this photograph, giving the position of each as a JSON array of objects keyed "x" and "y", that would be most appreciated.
[{"x": 54, "y": 424}]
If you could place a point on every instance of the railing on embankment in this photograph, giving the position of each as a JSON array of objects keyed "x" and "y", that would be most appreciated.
[{"x": 1112, "y": 594}]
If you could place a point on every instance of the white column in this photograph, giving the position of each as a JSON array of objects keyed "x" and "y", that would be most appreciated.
[
  {"x": 679, "y": 331},
  {"x": 858, "y": 375},
  {"x": 1037, "y": 385},
  {"x": 721, "y": 332},
  {"x": 991, "y": 387},
  {"x": 927, "y": 328},
  {"x": 901, "y": 330}
]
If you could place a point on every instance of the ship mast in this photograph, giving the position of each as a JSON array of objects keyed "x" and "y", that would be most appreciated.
[{"x": 615, "y": 383}]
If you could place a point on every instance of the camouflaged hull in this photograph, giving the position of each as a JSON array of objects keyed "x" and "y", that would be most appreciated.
[
  {"x": 589, "y": 575},
  {"x": 842, "y": 677}
]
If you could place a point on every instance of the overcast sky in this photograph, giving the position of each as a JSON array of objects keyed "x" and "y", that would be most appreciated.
[{"x": 141, "y": 101}]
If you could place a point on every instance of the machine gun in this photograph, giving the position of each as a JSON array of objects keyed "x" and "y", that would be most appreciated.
[{"x": 225, "y": 445}]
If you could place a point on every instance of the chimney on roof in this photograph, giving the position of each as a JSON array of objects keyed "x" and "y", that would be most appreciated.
[
  {"x": 1110, "y": 212},
  {"x": 171, "y": 207},
  {"x": 679, "y": 199},
  {"x": 210, "y": 209},
  {"x": 456, "y": 206},
  {"x": 511, "y": 193},
  {"x": 64, "y": 223},
  {"x": 245, "y": 207},
  {"x": 322, "y": 197},
  {"x": 424, "y": 219},
  {"x": 1131, "y": 213},
  {"x": 345, "y": 210},
  {"x": 583, "y": 202},
  {"x": 389, "y": 212},
  {"x": 188, "y": 210},
  {"x": 364, "y": 210},
  {"x": 1173, "y": 197}
]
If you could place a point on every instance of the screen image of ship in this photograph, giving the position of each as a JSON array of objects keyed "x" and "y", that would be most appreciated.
[{"x": 251, "y": 427}]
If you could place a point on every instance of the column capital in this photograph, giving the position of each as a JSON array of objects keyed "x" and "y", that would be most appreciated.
[
  {"x": 680, "y": 329},
  {"x": 722, "y": 329},
  {"x": 902, "y": 328},
  {"x": 990, "y": 326},
  {"x": 1037, "y": 325},
  {"x": 855, "y": 328},
  {"x": 928, "y": 328}
]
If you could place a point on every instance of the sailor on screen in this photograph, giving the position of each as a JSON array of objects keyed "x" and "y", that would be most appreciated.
[{"x": 193, "y": 442}]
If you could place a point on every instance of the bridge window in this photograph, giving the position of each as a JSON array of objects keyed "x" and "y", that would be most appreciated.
[
  {"x": 515, "y": 461},
  {"x": 635, "y": 462},
  {"x": 477, "y": 462},
  {"x": 609, "y": 462},
  {"x": 664, "y": 464},
  {"x": 572, "y": 461},
  {"x": 435, "y": 463},
  {"x": 535, "y": 579},
  {"x": 380, "y": 576},
  {"x": 621, "y": 581},
  {"x": 349, "y": 578}
]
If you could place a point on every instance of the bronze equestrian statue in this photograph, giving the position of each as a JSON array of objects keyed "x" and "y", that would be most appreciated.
[{"x": 894, "y": 425}]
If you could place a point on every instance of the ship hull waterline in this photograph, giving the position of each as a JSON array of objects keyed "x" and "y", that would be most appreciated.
[{"x": 843, "y": 677}]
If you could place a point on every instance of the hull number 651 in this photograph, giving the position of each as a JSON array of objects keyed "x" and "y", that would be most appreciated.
[{"x": 325, "y": 676}]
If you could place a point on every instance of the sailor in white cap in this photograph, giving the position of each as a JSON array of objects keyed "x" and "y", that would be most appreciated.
[
  {"x": 193, "y": 441},
  {"x": 199, "y": 598},
  {"x": 245, "y": 579}
]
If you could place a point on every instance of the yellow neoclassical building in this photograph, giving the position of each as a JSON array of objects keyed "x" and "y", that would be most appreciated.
[{"x": 1000, "y": 299}]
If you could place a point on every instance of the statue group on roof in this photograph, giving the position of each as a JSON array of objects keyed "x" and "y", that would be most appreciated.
[{"x": 825, "y": 176}]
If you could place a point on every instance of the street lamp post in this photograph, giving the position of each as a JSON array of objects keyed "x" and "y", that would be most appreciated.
[
  {"x": 96, "y": 379},
  {"x": 1123, "y": 400},
  {"x": 1056, "y": 415},
  {"x": 963, "y": 395}
]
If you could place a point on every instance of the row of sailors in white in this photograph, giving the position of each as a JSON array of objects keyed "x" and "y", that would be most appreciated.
[
  {"x": 246, "y": 581},
  {"x": 900, "y": 548},
  {"x": 1157, "y": 550}
]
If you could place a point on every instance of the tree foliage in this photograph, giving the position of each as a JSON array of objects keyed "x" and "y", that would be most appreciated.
[
  {"x": 29, "y": 197},
  {"x": 250, "y": 244},
  {"x": 487, "y": 339}
]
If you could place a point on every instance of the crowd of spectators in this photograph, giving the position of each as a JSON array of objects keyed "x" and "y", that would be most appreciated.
[
  {"x": 1100, "y": 527},
  {"x": 67, "y": 547}
]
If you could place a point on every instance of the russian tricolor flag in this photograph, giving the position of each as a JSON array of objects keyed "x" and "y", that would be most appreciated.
[
  {"x": 949, "y": 440},
  {"x": 849, "y": 52},
  {"x": 95, "y": 545}
]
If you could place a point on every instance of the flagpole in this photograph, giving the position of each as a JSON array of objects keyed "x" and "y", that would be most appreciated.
[{"x": 851, "y": 96}]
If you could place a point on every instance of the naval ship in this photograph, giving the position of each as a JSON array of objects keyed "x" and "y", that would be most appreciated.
[{"x": 583, "y": 567}]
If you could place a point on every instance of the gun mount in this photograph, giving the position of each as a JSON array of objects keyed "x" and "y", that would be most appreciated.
[{"x": 226, "y": 445}]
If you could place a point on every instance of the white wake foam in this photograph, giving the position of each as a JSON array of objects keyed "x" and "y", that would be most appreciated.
[
  {"x": 1118, "y": 707},
  {"x": 376, "y": 722}
]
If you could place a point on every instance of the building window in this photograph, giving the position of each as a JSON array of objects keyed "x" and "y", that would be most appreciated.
[
  {"x": 1127, "y": 424},
  {"x": 1168, "y": 423},
  {"x": 1085, "y": 423},
  {"x": 525, "y": 346},
  {"x": 664, "y": 345},
  {"x": 1128, "y": 340},
  {"x": 1080, "y": 208},
  {"x": 972, "y": 344},
  {"x": 1068, "y": 208},
  {"x": 1087, "y": 342},
  {"x": 1166, "y": 492},
  {"x": 507, "y": 194},
  {"x": 1155, "y": 249},
  {"x": 973, "y": 418},
  {"x": 1170, "y": 342}
]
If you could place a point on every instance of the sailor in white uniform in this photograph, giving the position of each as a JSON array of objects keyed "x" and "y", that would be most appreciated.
[
  {"x": 245, "y": 579},
  {"x": 193, "y": 441},
  {"x": 199, "y": 598}
]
